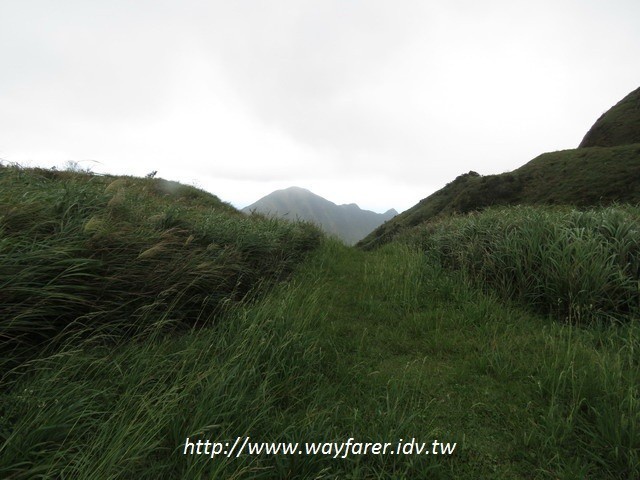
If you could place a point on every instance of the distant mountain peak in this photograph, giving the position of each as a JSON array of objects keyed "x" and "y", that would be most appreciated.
[
  {"x": 348, "y": 222},
  {"x": 294, "y": 189}
]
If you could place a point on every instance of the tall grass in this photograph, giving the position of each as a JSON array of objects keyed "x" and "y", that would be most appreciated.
[
  {"x": 116, "y": 256},
  {"x": 404, "y": 290},
  {"x": 266, "y": 370},
  {"x": 375, "y": 346},
  {"x": 582, "y": 267},
  {"x": 589, "y": 382},
  {"x": 90, "y": 412},
  {"x": 579, "y": 265}
]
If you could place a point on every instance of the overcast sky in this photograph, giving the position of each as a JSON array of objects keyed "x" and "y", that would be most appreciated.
[{"x": 374, "y": 102}]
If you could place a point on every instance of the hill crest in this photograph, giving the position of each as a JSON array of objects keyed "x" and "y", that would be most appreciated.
[
  {"x": 620, "y": 125},
  {"x": 586, "y": 176}
]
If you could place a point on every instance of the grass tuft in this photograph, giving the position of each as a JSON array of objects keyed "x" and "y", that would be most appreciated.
[{"x": 581, "y": 266}]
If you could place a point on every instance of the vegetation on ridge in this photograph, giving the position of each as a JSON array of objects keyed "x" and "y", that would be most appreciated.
[
  {"x": 579, "y": 266},
  {"x": 620, "y": 125},
  {"x": 603, "y": 170},
  {"x": 580, "y": 177},
  {"x": 121, "y": 256}
]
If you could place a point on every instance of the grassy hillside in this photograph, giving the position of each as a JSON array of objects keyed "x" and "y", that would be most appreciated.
[
  {"x": 604, "y": 169},
  {"x": 620, "y": 125},
  {"x": 111, "y": 256},
  {"x": 579, "y": 177}
]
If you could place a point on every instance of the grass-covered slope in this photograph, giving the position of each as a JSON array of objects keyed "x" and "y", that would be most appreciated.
[
  {"x": 579, "y": 177},
  {"x": 604, "y": 169},
  {"x": 620, "y": 125},
  {"x": 85, "y": 254},
  {"x": 580, "y": 266}
]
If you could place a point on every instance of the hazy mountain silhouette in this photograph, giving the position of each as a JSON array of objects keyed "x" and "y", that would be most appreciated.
[{"x": 348, "y": 222}]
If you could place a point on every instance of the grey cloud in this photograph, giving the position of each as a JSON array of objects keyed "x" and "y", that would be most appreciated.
[
  {"x": 100, "y": 60},
  {"x": 298, "y": 64}
]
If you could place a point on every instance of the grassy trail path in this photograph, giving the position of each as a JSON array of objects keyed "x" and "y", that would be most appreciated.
[{"x": 418, "y": 354}]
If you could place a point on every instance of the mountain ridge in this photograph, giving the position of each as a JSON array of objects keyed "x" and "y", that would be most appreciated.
[{"x": 348, "y": 222}]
